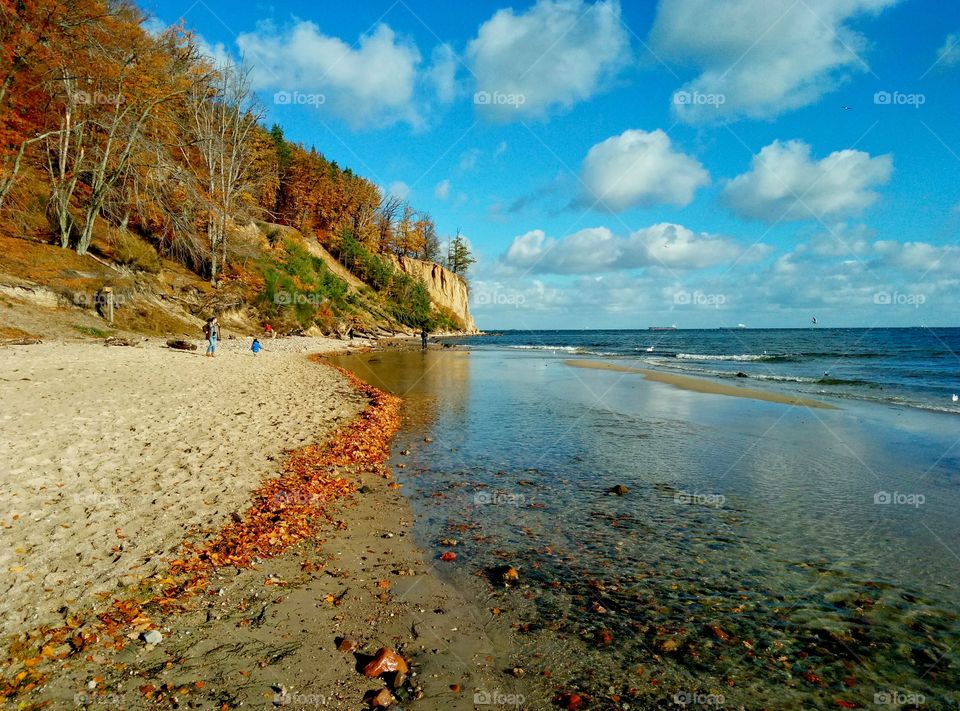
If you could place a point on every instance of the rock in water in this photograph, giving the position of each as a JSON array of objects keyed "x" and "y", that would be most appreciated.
[
  {"x": 386, "y": 660},
  {"x": 619, "y": 490}
]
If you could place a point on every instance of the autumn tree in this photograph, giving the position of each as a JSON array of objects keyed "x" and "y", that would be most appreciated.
[
  {"x": 34, "y": 38},
  {"x": 224, "y": 118}
]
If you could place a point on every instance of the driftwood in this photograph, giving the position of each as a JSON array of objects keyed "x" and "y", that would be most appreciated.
[
  {"x": 118, "y": 341},
  {"x": 181, "y": 345},
  {"x": 21, "y": 341}
]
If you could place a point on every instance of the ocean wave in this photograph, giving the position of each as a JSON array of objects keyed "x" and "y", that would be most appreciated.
[
  {"x": 744, "y": 357},
  {"x": 577, "y": 350},
  {"x": 565, "y": 349}
]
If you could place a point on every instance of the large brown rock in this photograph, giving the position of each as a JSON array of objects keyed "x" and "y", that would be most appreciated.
[{"x": 385, "y": 661}]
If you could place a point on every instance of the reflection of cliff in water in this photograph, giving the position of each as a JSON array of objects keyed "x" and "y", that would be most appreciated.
[{"x": 421, "y": 378}]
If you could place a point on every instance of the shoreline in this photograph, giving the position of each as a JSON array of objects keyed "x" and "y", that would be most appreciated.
[
  {"x": 407, "y": 598},
  {"x": 701, "y": 385}
]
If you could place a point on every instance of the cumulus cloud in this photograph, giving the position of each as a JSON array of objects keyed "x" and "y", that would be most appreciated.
[
  {"x": 372, "y": 83},
  {"x": 785, "y": 183},
  {"x": 442, "y": 73},
  {"x": 761, "y": 57},
  {"x": 949, "y": 54},
  {"x": 639, "y": 168},
  {"x": 442, "y": 191},
  {"x": 597, "y": 249},
  {"x": 554, "y": 55},
  {"x": 399, "y": 189},
  {"x": 918, "y": 257}
]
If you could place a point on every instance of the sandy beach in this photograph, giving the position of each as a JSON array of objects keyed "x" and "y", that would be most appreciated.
[
  {"x": 112, "y": 454},
  {"x": 152, "y": 445},
  {"x": 701, "y": 385}
]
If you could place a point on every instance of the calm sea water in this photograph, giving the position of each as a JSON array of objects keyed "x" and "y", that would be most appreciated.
[
  {"x": 766, "y": 556},
  {"x": 914, "y": 367}
]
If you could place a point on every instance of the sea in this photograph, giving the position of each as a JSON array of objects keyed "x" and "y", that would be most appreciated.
[
  {"x": 912, "y": 367},
  {"x": 759, "y": 555}
]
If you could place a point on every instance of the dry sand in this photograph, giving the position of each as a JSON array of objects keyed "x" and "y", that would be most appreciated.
[
  {"x": 111, "y": 454},
  {"x": 701, "y": 385}
]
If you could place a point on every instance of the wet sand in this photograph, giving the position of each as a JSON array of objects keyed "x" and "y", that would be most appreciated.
[{"x": 700, "y": 385}]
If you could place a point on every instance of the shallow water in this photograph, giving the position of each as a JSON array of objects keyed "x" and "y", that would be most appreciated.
[{"x": 754, "y": 562}]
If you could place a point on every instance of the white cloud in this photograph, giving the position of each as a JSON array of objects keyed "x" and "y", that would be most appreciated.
[
  {"x": 842, "y": 240},
  {"x": 468, "y": 160},
  {"x": 501, "y": 149},
  {"x": 597, "y": 249},
  {"x": 917, "y": 256},
  {"x": 785, "y": 183},
  {"x": 369, "y": 84},
  {"x": 399, "y": 189},
  {"x": 639, "y": 168},
  {"x": 763, "y": 57},
  {"x": 554, "y": 55},
  {"x": 949, "y": 53},
  {"x": 442, "y": 73},
  {"x": 442, "y": 191}
]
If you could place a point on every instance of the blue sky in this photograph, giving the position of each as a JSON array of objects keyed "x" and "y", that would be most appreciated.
[{"x": 618, "y": 165}]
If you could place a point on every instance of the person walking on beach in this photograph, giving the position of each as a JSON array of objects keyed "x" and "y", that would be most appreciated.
[
  {"x": 423, "y": 338},
  {"x": 256, "y": 346},
  {"x": 212, "y": 332}
]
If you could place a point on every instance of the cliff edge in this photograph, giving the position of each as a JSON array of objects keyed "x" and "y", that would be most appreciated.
[{"x": 446, "y": 289}]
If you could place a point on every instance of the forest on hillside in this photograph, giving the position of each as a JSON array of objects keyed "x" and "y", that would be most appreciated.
[{"x": 108, "y": 128}]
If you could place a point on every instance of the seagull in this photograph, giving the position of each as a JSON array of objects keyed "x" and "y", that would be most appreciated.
[
  {"x": 650, "y": 350},
  {"x": 814, "y": 320},
  {"x": 956, "y": 397}
]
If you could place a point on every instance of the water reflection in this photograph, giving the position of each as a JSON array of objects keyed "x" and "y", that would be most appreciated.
[{"x": 749, "y": 557}]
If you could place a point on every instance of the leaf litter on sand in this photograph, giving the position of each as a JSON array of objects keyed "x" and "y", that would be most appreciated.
[{"x": 284, "y": 511}]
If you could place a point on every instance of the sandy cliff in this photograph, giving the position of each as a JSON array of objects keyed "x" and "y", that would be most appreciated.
[{"x": 446, "y": 288}]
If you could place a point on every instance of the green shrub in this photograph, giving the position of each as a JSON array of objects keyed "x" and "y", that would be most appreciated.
[
  {"x": 92, "y": 331},
  {"x": 300, "y": 290}
]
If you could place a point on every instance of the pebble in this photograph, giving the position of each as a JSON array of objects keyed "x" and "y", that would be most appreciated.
[{"x": 153, "y": 637}]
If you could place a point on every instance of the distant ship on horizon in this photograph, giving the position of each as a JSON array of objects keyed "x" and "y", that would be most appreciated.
[{"x": 662, "y": 328}]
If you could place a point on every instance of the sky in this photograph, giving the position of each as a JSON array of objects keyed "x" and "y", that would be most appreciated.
[{"x": 626, "y": 164}]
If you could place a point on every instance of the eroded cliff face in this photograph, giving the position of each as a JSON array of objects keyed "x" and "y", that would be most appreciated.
[{"x": 446, "y": 288}]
